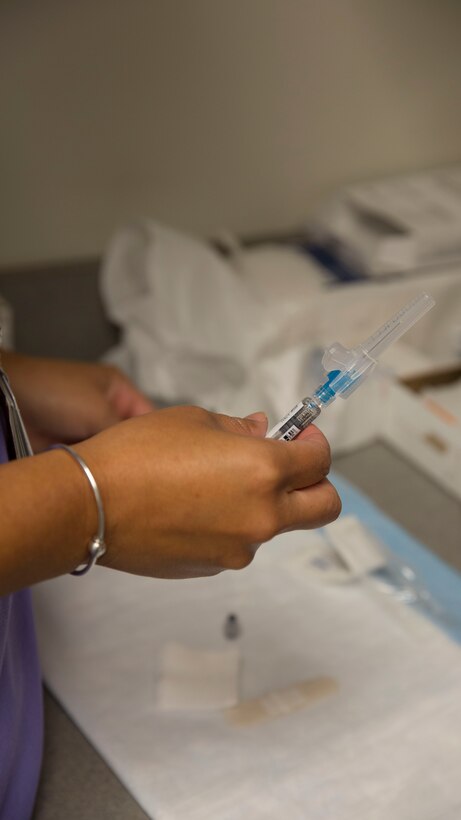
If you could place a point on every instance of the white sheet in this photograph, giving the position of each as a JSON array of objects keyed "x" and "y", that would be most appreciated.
[
  {"x": 197, "y": 679},
  {"x": 387, "y": 745},
  {"x": 248, "y": 333}
]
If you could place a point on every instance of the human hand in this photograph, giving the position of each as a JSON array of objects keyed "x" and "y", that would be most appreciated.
[
  {"x": 190, "y": 493},
  {"x": 69, "y": 401}
]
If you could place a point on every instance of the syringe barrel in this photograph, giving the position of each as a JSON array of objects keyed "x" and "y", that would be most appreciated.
[
  {"x": 405, "y": 318},
  {"x": 299, "y": 417}
]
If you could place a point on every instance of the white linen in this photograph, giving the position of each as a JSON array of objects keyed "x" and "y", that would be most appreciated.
[
  {"x": 386, "y": 745},
  {"x": 248, "y": 332}
]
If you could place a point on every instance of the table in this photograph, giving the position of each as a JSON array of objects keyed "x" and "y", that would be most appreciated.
[{"x": 77, "y": 784}]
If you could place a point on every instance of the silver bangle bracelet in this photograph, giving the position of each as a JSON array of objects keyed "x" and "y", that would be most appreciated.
[{"x": 96, "y": 547}]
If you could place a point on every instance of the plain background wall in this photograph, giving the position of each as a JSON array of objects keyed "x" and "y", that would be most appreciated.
[{"x": 212, "y": 113}]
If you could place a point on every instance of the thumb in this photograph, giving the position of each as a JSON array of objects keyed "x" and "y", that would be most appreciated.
[
  {"x": 253, "y": 425},
  {"x": 258, "y": 424}
]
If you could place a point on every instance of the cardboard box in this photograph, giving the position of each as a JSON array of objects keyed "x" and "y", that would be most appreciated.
[
  {"x": 397, "y": 412},
  {"x": 421, "y": 429}
]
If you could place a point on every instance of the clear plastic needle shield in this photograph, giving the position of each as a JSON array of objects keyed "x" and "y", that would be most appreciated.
[{"x": 347, "y": 368}]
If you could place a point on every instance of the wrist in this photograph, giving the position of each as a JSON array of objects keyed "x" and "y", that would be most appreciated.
[
  {"x": 95, "y": 462},
  {"x": 75, "y": 511},
  {"x": 48, "y": 519},
  {"x": 96, "y": 546}
]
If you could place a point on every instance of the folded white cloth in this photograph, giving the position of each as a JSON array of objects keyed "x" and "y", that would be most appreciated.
[{"x": 230, "y": 334}]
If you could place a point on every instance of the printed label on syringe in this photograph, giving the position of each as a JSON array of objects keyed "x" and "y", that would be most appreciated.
[
  {"x": 291, "y": 433},
  {"x": 286, "y": 428},
  {"x": 303, "y": 414}
]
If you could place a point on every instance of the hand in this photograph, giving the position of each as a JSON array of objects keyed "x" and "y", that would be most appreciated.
[
  {"x": 70, "y": 401},
  {"x": 189, "y": 493}
]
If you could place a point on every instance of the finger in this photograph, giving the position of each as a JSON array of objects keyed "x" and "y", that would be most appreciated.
[
  {"x": 125, "y": 401},
  {"x": 253, "y": 425},
  {"x": 312, "y": 507},
  {"x": 306, "y": 460},
  {"x": 140, "y": 405}
]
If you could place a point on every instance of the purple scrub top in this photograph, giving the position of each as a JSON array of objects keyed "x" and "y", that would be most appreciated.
[{"x": 21, "y": 708}]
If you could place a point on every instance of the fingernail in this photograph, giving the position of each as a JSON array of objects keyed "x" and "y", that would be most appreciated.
[{"x": 259, "y": 416}]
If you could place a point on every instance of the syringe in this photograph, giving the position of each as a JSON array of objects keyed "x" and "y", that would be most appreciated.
[{"x": 347, "y": 368}]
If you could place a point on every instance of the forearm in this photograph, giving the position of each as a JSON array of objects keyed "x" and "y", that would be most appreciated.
[
  {"x": 48, "y": 516},
  {"x": 16, "y": 367},
  {"x": 12, "y": 362}
]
